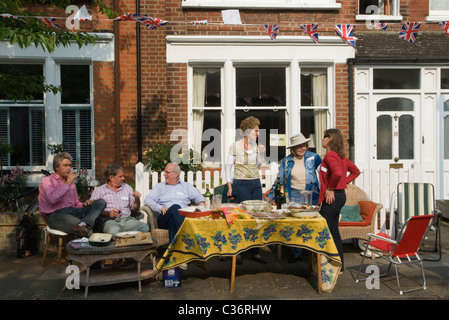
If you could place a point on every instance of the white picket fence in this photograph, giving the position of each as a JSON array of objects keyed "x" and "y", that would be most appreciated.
[{"x": 380, "y": 185}]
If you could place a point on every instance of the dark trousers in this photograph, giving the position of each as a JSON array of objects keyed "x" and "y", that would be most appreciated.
[
  {"x": 171, "y": 220},
  {"x": 331, "y": 212}
]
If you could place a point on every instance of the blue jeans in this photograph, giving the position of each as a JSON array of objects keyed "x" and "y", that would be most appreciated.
[
  {"x": 67, "y": 218},
  {"x": 331, "y": 212},
  {"x": 171, "y": 220}
]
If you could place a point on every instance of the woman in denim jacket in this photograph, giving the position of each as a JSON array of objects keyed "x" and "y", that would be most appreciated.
[{"x": 297, "y": 178}]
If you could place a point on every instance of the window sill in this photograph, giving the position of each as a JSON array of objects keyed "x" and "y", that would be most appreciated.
[
  {"x": 258, "y": 5},
  {"x": 437, "y": 18},
  {"x": 379, "y": 17}
]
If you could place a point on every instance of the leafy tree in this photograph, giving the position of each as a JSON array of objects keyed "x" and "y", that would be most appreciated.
[{"x": 26, "y": 31}]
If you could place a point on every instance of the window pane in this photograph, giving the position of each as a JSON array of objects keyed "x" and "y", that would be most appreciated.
[
  {"x": 19, "y": 70},
  {"x": 363, "y": 4},
  {"x": 395, "y": 104},
  {"x": 314, "y": 87},
  {"x": 444, "y": 78},
  {"x": 406, "y": 150},
  {"x": 4, "y": 133},
  {"x": 439, "y": 5},
  {"x": 260, "y": 87},
  {"x": 384, "y": 137},
  {"x": 211, "y": 135},
  {"x": 75, "y": 82},
  {"x": 446, "y": 137},
  {"x": 271, "y": 123},
  {"x": 396, "y": 78},
  {"x": 446, "y": 105},
  {"x": 207, "y": 87},
  {"x": 77, "y": 135},
  {"x": 27, "y": 136}
]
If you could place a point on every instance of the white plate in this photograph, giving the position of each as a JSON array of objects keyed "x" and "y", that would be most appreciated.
[
  {"x": 127, "y": 234},
  {"x": 100, "y": 237},
  {"x": 305, "y": 214}
]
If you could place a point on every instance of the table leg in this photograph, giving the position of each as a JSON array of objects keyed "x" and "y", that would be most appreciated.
[
  {"x": 138, "y": 275},
  {"x": 234, "y": 259},
  {"x": 318, "y": 270},
  {"x": 87, "y": 282}
]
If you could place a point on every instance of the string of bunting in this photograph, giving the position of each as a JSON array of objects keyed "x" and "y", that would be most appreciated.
[{"x": 408, "y": 32}]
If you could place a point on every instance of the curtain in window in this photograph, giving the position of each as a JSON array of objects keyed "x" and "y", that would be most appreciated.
[
  {"x": 199, "y": 94},
  {"x": 319, "y": 98}
]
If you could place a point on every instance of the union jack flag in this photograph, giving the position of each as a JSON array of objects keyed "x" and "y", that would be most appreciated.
[
  {"x": 154, "y": 23},
  {"x": 7, "y": 15},
  {"x": 198, "y": 22},
  {"x": 345, "y": 32},
  {"x": 272, "y": 30},
  {"x": 51, "y": 22},
  {"x": 445, "y": 26},
  {"x": 380, "y": 26},
  {"x": 311, "y": 29},
  {"x": 409, "y": 31},
  {"x": 131, "y": 17}
]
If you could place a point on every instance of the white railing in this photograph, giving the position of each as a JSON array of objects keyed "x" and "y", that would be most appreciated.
[
  {"x": 211, "y": 178},
  {"x": 380, "y": 185}
]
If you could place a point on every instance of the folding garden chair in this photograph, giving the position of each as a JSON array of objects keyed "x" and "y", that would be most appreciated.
[
  {"x": 414, "y": 199},
  {"x": 402, "y": 251}
]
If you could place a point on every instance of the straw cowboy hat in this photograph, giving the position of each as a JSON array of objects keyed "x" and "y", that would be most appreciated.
[{"x": 297, "y": 139}]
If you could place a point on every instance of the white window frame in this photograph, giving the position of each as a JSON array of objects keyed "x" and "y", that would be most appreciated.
[
  {"x": 376, "y": 17},
  {"x": 437, "y": 15},
  {"x": 264, "y": 4}
]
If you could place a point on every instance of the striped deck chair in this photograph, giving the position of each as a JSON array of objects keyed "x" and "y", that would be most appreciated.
[{"x": 416, "y": 199}]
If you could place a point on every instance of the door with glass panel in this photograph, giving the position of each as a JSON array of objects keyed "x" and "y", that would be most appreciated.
[{"x": 396, "y": 142}]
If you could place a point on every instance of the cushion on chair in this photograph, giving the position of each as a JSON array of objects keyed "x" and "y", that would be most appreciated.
[
  {"x": 366, "y": 212},
  {"x": 351, "y": 213}
]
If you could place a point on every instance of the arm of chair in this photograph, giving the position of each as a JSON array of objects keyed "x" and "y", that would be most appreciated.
[
  {"x": 378, "y": 237},
  {"x": 151, "y": 217}
]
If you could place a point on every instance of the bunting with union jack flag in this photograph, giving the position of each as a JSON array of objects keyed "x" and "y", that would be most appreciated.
[
  {"x": 204, "y": 22},
  {"x": 380, "y": 26},
  {"x": 131, "y": 17},
  {"x": 51, "y": 22},
  {"x": 7, "y": 15},
  {"x": 311, "y": 29},
  {"x": 345, "y": 32},
  {"x": 272, "y": 30},
  {"x": 445, "y": 26},
  {"x": 409, "y": 31},
  {"x": 154, "y": 23}
]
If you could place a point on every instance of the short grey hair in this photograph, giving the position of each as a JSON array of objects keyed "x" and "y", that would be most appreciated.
[
  {"x": 59, "y": 157},
  {"x": 176, "y": 168}
]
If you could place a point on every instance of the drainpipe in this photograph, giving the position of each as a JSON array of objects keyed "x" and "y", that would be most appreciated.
[
  {"x": 139, "y": 98},
  {"x": 351, "y": 108}
]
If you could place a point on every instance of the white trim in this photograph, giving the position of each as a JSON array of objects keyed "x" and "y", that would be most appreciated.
[
  {"x": 377, "y": 18},
  {"x": 263, "y": 4}
]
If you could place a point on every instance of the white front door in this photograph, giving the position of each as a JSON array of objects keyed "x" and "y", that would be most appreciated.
[{"x": 396, "y": 138}]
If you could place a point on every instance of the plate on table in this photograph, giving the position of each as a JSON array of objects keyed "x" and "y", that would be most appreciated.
[
  {"x": 305, "y": 214},
  {"x": 195, "y": 212},
  {"x": 303, "y": 208},
  {"x": 127, "y": 234},
  {"x": 267, "y": 215},
  {"x": 100, "y": 239}
]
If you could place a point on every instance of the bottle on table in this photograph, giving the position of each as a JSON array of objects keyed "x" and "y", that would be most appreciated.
[{"x": 208, "y": 197}]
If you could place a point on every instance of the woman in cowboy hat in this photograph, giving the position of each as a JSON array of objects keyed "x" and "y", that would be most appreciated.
[{"x": 298, "y": 171}]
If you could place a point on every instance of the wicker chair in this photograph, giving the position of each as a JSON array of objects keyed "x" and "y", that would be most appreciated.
[
  {"x": 368, "y": 211},
  {"x": 161, "y": 235}
]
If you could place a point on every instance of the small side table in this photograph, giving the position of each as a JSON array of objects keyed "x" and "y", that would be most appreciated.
[{"x": 89, "y": 255}]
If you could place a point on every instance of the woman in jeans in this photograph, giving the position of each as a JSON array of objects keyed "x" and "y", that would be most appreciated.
[
  {"x": 334, "y": 179},
  {"x": 246, "y": 157}
]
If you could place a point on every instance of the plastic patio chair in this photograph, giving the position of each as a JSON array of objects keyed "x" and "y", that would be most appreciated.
[
  {"x": 414, "y": 199},
  {"x": 402, "y": 251}
]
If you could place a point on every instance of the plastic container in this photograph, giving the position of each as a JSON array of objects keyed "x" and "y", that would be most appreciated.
[{"x": 172, "y": 278}]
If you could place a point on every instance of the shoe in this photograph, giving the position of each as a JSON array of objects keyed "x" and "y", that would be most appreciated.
[
  {"x": 259, "y": 259},
  {"x": 294, "y": 259},
  {"x": 80, "y": 231}
]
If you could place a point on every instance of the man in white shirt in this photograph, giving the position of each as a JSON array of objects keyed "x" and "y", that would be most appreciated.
[{"x": 166, "y": 198}]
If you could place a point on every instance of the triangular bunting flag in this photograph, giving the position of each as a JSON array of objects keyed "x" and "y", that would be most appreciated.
[
  {"x": 380, "y": 26},
  {"x": 445, "y": 26},
  {"x": 82, "y": 14},
  {"x": 131, "y": 17},
  {"x": 51, "y": 22},
  {"x": 409, "y": 31},
  {"x": 345, "y": 32},
  {"x": 7, "y": 15},
  {"x": 272, "y": 30},
  {"x": 198, "y": 22},
  {"x": 311, "y": 29},
  {"x": 154, "y": 23}
]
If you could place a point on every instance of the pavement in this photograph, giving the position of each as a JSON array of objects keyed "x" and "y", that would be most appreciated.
[{"x": 276, "y": 281}]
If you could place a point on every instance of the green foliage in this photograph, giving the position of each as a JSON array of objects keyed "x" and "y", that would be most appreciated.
[
  {"x": 163, "y": 153},
  {"x": 26, "y": 31},
  {"x": 18, "y": 175},
  {"x": 56, "y": 148},
  {"x": 83, "y": 183}
]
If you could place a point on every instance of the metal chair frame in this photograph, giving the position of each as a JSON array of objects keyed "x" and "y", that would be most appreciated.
[
  {"x": 420, "y": 200},
  {"x": 402, "y": 251}
]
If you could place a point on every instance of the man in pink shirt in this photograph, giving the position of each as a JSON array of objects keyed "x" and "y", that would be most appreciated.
[{"x": 59, "y": 203}]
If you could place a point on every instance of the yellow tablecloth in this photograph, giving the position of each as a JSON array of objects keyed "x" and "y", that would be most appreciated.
[{"x": 202, "y": 238}]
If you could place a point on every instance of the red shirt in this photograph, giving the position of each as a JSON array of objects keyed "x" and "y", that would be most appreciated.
[{"x": 333, "y": 173}]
